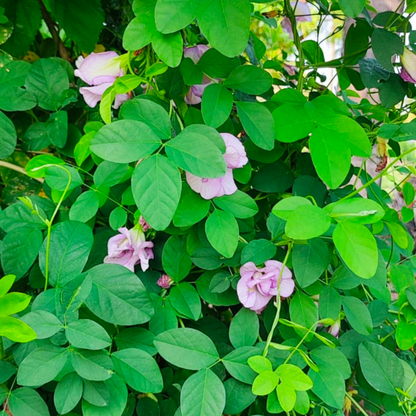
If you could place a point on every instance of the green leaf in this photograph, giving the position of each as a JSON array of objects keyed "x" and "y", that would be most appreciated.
[
  {"x": 175, "y": 258},
  {"x": 42, "y": 365},
  {"x": 380, "y": 367},
  {"x": 141, "y": 29},
  {"x": 239, "y": 204},
  {"x": 172, "y": 16},
  {"x": 331, "y": 158},
  {"x": 83, "y": 28},
  {"x": 236, "y": 363},
  {"x": 13, "y": 302},
  {"x": 125, "y": 141},
  {"x": 239, "y": 396},
  {"x": 6, "y": 283},
  {"x": 195, "y": 153},
  {"x": 92, "y": 365},
  {"x": 164, "y": 317},
  {"x": 57, "y": 126},
  {"x": 358, "y": 210},
  {"x": 292, "y": 123},
  {"x": 68, "y": 393},
  {"x": 216, "y": 65},
  {"x": 109, "y": 174},
  {"x": 16, "y": 330},
  {"x": 85, "y": 207},
  {"x": 329, "y": 386},
  {"x": 19, "y": 250},
  {"x": 226, "y": 24},
  {"x": 352, "y": 8},
  {"x": 117, "y": 401},
  {"x": 118, "y": 296},
  {"x": 186, "y": 348},
  {"x": 293, "y": 376},
  {"x": 136, "y": 338},
  {"x": 258, "y": 251},
  {"x": 258, "y": 123},
  {"x": 192, "y": 208},
  {"x": 25, "y": 401},
  {"x": 7, "y": 370},
  {"x": 202, "y": 394},
  {"x": 357, "y": 315},
  {"x": 265, "y": 383},
  {"x": 409, "y": 193},
  {"x": 87, "y": 334},
  {"x": 310, "y": 261},
  {"x": 147, "y": 112},
  {"x": 138, "y": 369},
  {"x": 306, "y": 222},
  {"x": 156, "y": 186},
  {"x": 259, "y": 364},
  {"x": 169, "y": 48},
  {"x": 385, "y": 44},
  {"x": 43, "y": 323},
  {"x": 244, "y": 328},
  {"x": 332, "y": 357},
  {"x": 329, "y": 303},
  {"x": 70, "y": 246},
  {"x": 303, "y": 311},
  {"x": 58, "y": 178},
  {"x": 273, "y": 178},
  {"x": 47, "y": 80},
  {"x": 118, "y": 218},
  {"x": 191, "y": 73},
  {"x": 96, "y": 393},
  {"x": 284, "y": 208},
  {"x": 13, "y": 98},
  {"x": 8, "y": 136},
  {"x": 26, "y": 18},
  {"x": 357, "y": 247},
  {"x": 217, "y": 103},
  {"x": 405, "y": 335},
  {"x": 185, "y": 300},
  {"x": 249, "y": 80},
  {"x": 222, "y": 232}
]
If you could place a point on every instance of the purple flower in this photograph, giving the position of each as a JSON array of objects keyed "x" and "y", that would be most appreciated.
[
  {"x": 257, "y": 286},
  {"x": 408, "y": 72},
  {"x": 235, "y": 157},
  {"x": 164, "y": 281},
  {"x": 130, "y": 248},
  {"x": 302, "y": 12},
  {"x": 335, "y": 328},
  {"x": 195, "y": 93},
  {"x": 99, "y": 71}
]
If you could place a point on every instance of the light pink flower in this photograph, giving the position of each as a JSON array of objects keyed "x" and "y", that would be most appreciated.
[
  {"x": 164, "y": 281},
  {"x": 334, "y": 329},
  {"x": 145, "y": 225},
  {"x": 130, "y": 248},
  {"x": 195, "y": 52},
  {"x": 302, "y": 12},
  {"x": 408, "y": 72},
  {"x": 98, "y": 68},
  {"x": 195, "y": 93},
  {"x": 99, "y": 71},
  {"x": 257, "y": 286},
  {"x": 235, "y": 157}
]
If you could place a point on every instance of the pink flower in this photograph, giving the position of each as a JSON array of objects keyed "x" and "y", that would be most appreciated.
[
  {"x": 408, "y": 72},
  {"x": 145, "y": 225},
  {"x": 99, "y": 71},
  {"x": 130, "y": 248},
  {"x": 164, "y": 281},
  {"x": 334, "y": 329},
  {"x": 300, "y": 9},
  {"x": 235, "y": 157},
  {"x": 195, "y": 93},
  {"x": 257, "y": 286}
]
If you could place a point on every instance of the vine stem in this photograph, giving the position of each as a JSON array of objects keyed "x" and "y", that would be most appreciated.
[
  {"x": 278, "y": 302},
  {"x": 357, "y": 405},
  {"x": 1, "y": 349},
  {"x": 50, "y": 222},
  {"x": 16, "y": 168},
  {"x": 381, "y": 174},
  {"x": 292, "y": 17}
]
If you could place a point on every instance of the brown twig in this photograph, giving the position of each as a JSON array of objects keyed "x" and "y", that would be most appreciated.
[{"x": 55, "y": 35}]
